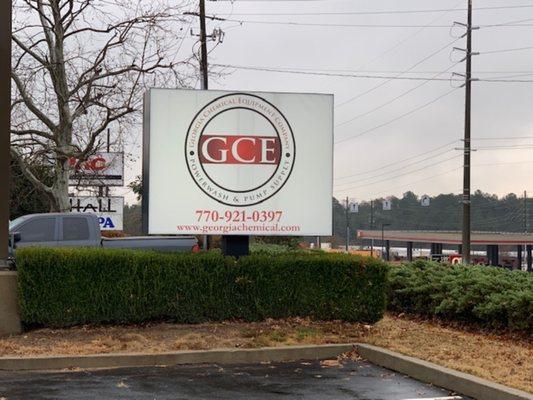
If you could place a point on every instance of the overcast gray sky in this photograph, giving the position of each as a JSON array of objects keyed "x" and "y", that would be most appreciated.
[{"x": 394, "y": 135}]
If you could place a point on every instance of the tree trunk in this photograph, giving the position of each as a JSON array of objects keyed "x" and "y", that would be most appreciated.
[{"x": 60, "y": 201}]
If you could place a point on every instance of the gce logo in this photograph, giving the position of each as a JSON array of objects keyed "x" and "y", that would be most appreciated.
[{"x": 240, "y": 149}]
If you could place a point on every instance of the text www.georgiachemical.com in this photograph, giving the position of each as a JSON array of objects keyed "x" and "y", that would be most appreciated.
[{"x": 224, "y": 229}]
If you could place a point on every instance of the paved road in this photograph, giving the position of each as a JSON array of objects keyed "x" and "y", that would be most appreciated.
[{"x": 355, "y": 380}]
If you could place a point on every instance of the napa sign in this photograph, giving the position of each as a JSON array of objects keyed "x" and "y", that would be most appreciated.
[{"x": 109, "y": 210}]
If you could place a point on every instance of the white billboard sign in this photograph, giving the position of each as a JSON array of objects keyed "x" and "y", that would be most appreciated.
[
  {"x": 425, "y": 201},
  {"x": 387, "y": 205},
  {"x": 227, "y": 163},
  {"x": 110, "y": 210},
  {"x": 101, "y": 169}
]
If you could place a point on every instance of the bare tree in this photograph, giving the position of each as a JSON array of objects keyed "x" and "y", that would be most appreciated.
[{"x": 80, "y": 66}]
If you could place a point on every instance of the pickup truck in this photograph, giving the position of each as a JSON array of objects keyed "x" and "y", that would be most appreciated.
[{"x": 83, "y": 230}]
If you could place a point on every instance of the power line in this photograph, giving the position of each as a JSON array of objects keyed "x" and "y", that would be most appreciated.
[
  {"x": 517, "y": 75},
  {"x": 411, "y": 183},
  {"x": 506, "y": 50},
  {"x": 398, "y": 75},
  {"x": 299, "y": 72},
  {"x": 506, "y": 80},
  {"x": 400, "y": 161},
  {"x": 320, "y": 24},
  {"x": 357, "y": 71},
  {"x": 405, "y": 40},
  {"x": 384, "y": 12},
  {"x": 388, "y": 78},
  {"x": 503, "y": 163},
  {"x": 505, "y": 138},
  {"x": 405, "y": 93},
  {"x": 395, "y": 170},
  {"x": 516, "y": 23},
  {"x": 511, "y": 147},
  {"x": 402, "y": 174},
  {"x": 183, "y": 37},
  {"x": 397, "y": 118},
  {"x": 408, "y": 70},
  {"x": 388, "y": 26}
]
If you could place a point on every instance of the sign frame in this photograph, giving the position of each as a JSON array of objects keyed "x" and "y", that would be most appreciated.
[
  {"x": 200, "y": 104},
  {"x": 77, "y": 179}
]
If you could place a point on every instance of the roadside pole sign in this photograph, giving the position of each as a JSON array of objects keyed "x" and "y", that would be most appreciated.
[
  {"x": 237, "y": 163},
  {"x": 101, "y": 169},
  {"x": 387, "y": 205},
  {"x": 109, "y": 210},
  {"x": 354, "y": 207},
  {"x": 425, "y": 201}
]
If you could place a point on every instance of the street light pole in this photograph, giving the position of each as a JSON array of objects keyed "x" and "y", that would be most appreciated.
[{"x": 5, "y": 126}]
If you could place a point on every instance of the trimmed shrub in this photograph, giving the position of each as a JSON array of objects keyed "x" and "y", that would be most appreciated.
[
  {"x": 65, "y": 287},
  {"x": 491, "y": 297},
  {"x": 268, "y": 249}
]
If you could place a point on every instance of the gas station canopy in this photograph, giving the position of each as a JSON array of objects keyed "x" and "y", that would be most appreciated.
[{"x": 449, "y": 237}]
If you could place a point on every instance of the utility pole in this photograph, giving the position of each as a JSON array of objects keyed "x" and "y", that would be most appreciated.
[
  {"x": 231, "y": 245},
  {"x": 203, "y": 71},
  {"x": 347, "y": 224},
  {"x": 467, "y": 141},
  {"x": 5, "y": 126},
  {"x": 203, "y": 42}
]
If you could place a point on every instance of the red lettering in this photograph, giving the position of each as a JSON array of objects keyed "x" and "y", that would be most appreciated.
[
  {"x": 93, "y": 164},
  {"x": 225, "y": 149}
]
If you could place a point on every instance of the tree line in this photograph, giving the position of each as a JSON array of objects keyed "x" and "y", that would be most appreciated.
[{"x": 510, "y": 213}]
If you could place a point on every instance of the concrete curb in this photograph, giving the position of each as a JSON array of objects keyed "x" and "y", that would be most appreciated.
[
  {"x": 218, "y": 356},
  {"x": 459, "y": 382},
  {"x": 450, "y": 379}
]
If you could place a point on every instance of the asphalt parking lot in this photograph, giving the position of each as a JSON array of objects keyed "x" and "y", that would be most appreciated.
[{"x": 295, "y": 380}]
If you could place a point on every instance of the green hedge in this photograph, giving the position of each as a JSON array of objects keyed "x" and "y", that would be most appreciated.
[
  {"x": 65, "y": 287},
  {"x": 491, "y": 297}
]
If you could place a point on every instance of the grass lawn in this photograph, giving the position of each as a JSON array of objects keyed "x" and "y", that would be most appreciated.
[{"x": 503, "y": 358}]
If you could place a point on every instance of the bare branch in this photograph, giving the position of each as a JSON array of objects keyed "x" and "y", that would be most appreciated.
[
  {"x": 31, "y": 105},
  {"x": 24, "y": 167}
]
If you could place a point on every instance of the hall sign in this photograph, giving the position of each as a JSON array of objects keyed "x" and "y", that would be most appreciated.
[
  {"x": 109, "y": 210},
  {"x": 237, "y": 163}
]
